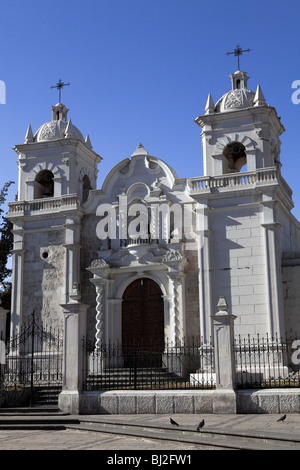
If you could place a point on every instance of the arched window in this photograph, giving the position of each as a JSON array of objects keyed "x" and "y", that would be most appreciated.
[
  {"x": 44, "y": 184},
  {"x": 234, "y": 157},
  {"x": 86, "y": 187}
]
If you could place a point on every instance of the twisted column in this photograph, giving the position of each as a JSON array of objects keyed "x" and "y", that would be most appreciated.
[
  {"x": 176, "y": 281},
  {"x": 99, "y": 314}
]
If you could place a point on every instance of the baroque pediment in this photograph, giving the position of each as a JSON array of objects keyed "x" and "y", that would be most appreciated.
[{"x": 141, "y": 169}]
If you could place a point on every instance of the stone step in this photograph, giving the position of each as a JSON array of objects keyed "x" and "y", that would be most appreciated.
[
  {"x": 139, "y": 373},
  {"x": 36, "y": 421},
  {"x": 124, "y": 377},
  {"x": 46, "y": 395},
  {"x": 37, "y": 410}
]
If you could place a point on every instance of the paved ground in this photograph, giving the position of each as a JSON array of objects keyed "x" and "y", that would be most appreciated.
[
  {"x": 73, "y": 439},
  {"x": 79, "y": 440}
]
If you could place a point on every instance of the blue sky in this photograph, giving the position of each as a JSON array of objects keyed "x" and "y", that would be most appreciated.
[{"x": 141, "y": 70}]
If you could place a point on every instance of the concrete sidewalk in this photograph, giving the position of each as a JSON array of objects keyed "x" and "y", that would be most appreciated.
[{"x": 146, "y": 432}]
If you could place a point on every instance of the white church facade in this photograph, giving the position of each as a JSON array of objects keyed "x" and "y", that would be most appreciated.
[{"x": 147, "y": 257}]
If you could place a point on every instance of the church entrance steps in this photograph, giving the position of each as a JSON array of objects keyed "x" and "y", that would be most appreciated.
[
  {"x": 32, "y": 411},
  {"x": 36, "y": 421},
  {"x": 46, "y": 395},
  {"x": 126, "y": 378}
]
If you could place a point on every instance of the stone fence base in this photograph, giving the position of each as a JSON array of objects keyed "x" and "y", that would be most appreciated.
[{"x": 186, "y": 401}]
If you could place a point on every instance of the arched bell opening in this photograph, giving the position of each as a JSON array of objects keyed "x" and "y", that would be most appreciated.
[
  {"x": 234, "y": 158},
  {"x": 86, "y": 187},
  {"x": 44, "y": 184}
]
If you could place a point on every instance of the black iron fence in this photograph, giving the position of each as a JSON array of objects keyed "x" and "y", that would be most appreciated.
[
  {"x": 261, "y": 362},
  {"x": 31, "y": 366},
  {"x": 184, "y": 365},
  {"x": 267, "y": 362}
]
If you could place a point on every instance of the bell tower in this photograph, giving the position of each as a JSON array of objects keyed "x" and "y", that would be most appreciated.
[
  {"x": 240, "y": 132},
  {"x": 56, "y": 160},
  {"x": 245, "y": 203},
  {"x": 57, "y": 170}
]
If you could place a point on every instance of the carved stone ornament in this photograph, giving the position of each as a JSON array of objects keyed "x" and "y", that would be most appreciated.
[
  {"x": 172, "y": 255},
  {"x": 49, "y": 130},
  {"x": 75, "y": 294},
  {"x": 239, "y": 98},
  {"x": 234, "y": 99},
  {"x": 159, "y": 251},
  {"x": 99, "y": 263}
]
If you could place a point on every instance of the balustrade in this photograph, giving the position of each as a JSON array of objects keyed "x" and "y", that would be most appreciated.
[
  {"x": 49, "y": 204},
  {"x": 245, "y": 179}
]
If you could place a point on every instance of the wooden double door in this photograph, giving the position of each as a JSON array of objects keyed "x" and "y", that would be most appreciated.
[{"x": 143, "y": 323}]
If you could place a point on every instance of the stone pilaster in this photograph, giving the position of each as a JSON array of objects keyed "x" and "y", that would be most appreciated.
[
  {"x": 72, "y": 269},
  {"x": 3, "y": 314},
  {"x": 204, "y": 270},
  {"x": 17, "y": 276},
  {"x": 224, "y": 400},
  {"x": 274, "y": 279},
  {"x": 273, "y": 264},
  {"x": 73, "y": 356}
]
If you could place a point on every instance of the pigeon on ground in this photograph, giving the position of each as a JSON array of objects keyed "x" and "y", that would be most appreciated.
[
  {"x": 200, "y": 425},
  {"x": 282, "y": 418},
  {"x": 173, "y": 422}
]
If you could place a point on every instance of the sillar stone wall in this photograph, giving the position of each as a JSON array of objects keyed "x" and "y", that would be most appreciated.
[{"x": 44, "y": 268}]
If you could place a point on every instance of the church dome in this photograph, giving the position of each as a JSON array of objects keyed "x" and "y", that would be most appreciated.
[
  {"x": 59, "y": 127},
  {"x": 237, "y": 98}
]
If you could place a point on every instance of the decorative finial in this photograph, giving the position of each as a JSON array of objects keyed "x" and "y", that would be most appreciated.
[
  {"x": 210, "y": 105},
  {"x": 222, "y": 304},
  {"x": 88, "y": 141},
  {"x": 29, "y": 135},
  {"x": 259, "y": 98}
]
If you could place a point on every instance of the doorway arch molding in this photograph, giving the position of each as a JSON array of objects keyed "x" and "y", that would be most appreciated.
[
  {"x": 168, "y": 275},
  {"x": 162, "y": 284},
  {"x": 143, "y": 274}
]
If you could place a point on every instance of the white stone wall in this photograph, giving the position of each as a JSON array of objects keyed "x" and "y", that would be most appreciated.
[
  {"x": 291, "y": 292},
  {"x": 192, "y": 296},
  {"x": 90, "y": 246},
  {"x": 44, "y": 280},
  {"x": 239, "y": 267}
]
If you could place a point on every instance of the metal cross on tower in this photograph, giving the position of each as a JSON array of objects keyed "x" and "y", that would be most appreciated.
[
  {"x": 59, "y": 86},
  {"x": 237, "y": 52}
]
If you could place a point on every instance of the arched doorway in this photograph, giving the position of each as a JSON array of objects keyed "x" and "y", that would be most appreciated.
[{"x": 143, "y": 323}]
